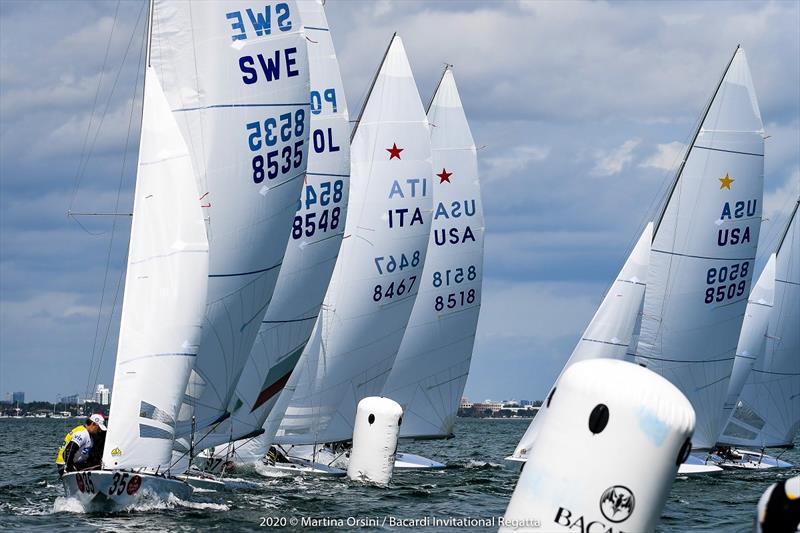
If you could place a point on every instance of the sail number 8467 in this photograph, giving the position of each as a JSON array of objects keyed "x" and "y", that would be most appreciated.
[{"x": 388, "y": 292}]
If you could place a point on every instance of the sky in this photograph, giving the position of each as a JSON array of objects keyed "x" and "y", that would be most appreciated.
[{"x": 581, "y": 112}]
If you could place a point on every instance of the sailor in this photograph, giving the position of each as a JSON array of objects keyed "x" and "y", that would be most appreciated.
[{"x": 83, "y": 446}]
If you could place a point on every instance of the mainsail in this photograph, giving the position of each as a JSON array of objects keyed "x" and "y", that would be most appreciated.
[
  {"x": 378, "y": 272},
  {"x": 431, "y": 368},
  {"x": 165, "y": 294},
  {"x": 612, "y": 331},
  {"x": 236, "y": 78},
  {"x": 768, "y": 410},
  {"x": 316, "y": 236},
  {"x": 704, "y": 247}
]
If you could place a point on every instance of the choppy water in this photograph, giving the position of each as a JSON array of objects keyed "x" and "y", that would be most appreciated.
[{"x": 476, "y": 484}]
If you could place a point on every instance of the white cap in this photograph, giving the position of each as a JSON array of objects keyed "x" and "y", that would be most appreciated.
[{"x": 99, "y": 419}]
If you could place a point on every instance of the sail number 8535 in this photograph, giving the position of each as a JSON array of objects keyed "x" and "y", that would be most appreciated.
[{"x": 268, "y": 133}]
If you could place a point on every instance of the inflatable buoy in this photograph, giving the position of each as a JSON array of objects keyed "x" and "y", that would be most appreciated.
[
  {"x": 375, "y": 434},
  {"x": 606, "y": 454}
]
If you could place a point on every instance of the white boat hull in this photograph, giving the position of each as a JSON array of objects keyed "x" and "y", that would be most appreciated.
[
  {"x": 750, "y": 460},
  {"x": 298, "y": 467},
  {"x": 697, "y": 465},
  {"x": 107, "y": 490},
  {"x": 413, "y": 461}
]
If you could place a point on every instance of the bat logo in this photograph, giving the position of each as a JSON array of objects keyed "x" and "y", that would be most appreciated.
[{"x": 617, "y": 503}]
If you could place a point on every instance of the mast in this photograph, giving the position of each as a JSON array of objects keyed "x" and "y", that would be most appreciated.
[
  {"x": 657, "y": 219},
  {"x": 149, "y": 34},
  {"x": 447, "y": 66},
  {"x": 788, "y": 225},
  {"x": 371, "y": 87}
]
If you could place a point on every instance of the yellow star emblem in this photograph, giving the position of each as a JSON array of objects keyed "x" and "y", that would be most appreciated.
[{"x": 725, "y": 183}]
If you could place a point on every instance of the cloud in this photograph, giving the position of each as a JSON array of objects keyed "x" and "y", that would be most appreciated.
[
  {"x": 666, "y": 157},
  {"x": 557, "y": 92},
  {"x": 615, "y": 161},
  {"x": 515, "y": 160}
]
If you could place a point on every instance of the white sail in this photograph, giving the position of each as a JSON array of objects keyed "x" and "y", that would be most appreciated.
[
  {"x": 378, "y": 272},
  {"x": 165, "y": 294},
  {"x": 431, "y": 368},
  {"x": 752, "y": 339},
  {"x": 236, "y": 78},
  {"x": 768, "y": 411},
  {"x": 701, "y": 260},
  {"x": 611, "y": 332},
  {"x": 316, "y": 237}
]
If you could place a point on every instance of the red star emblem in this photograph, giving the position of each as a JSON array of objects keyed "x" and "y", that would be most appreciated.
[
  {"x": 444, "y": 176},
  {"x": 394, "y": 151}
]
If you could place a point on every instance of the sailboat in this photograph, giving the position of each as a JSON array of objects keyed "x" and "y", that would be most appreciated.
[
  {"x": 689, "y": 274},
  {"x": 161, "y": 323},
  {"x": 430, "y": 372},
  {"x": 316, "y": 236},
  {"x": 377, "y": 275},
  {"x": 763, "y": 408},
  {"x": 237, "y": 79},
  {"x": 207, "y": 242},
  {"x": 611, "y": 334},
  {"x": 703, "y": 252}
]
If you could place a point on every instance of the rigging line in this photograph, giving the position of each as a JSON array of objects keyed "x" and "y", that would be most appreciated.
[
  {"x": 113, "y": 232},
  {"x": 82, "y": 168},
  {"x": 76, "y": 180}
]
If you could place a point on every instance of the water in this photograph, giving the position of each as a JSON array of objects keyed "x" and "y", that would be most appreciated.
[{"x": 476, "y": 484}]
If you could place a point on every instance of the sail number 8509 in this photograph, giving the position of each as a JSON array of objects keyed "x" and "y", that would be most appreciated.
[{"x": 724, "y": 282}]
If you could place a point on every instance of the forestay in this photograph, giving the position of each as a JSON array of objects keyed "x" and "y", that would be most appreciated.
[
  {"x": 701, "y": 260},
  {"x": 768, "y": 411},
  {"x": 431, "y": 368},
  {"x": 165, "y": 294},
  {"x": 612, "y": 331},
  {"x": 378, "y": 272},
  {"x": 236, "y": 78},
  {"x": 316, "y": 236}
]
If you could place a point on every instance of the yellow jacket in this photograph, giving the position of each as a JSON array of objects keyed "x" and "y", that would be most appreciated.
[{"x": 67, "y": 439}]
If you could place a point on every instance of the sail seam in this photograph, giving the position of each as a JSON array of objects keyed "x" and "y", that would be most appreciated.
[
  {"x": 704, "y": 257},
  {"x": 244, "y": 273},
  {"x": 229, "y": 106},
  {"x": 729, "y": 151}
]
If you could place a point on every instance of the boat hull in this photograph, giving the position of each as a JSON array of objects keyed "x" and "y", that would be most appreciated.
[
  {"x": 749, "y": 460},
  {"x": 415, "y": 462},
  {"x": 107, "y": 490},
  {"x": 695, "y": 465}
]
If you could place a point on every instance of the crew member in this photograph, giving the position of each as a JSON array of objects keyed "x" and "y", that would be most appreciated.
[{"x": 83, "y": 446}]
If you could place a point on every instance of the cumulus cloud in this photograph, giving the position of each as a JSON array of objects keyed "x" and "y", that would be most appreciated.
[
  {"x": 613, "y": 162},
  {"x": 514, "y": 160},
  {"x": 558, "y": 92},
  {"x": 666, "y": 156}
]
